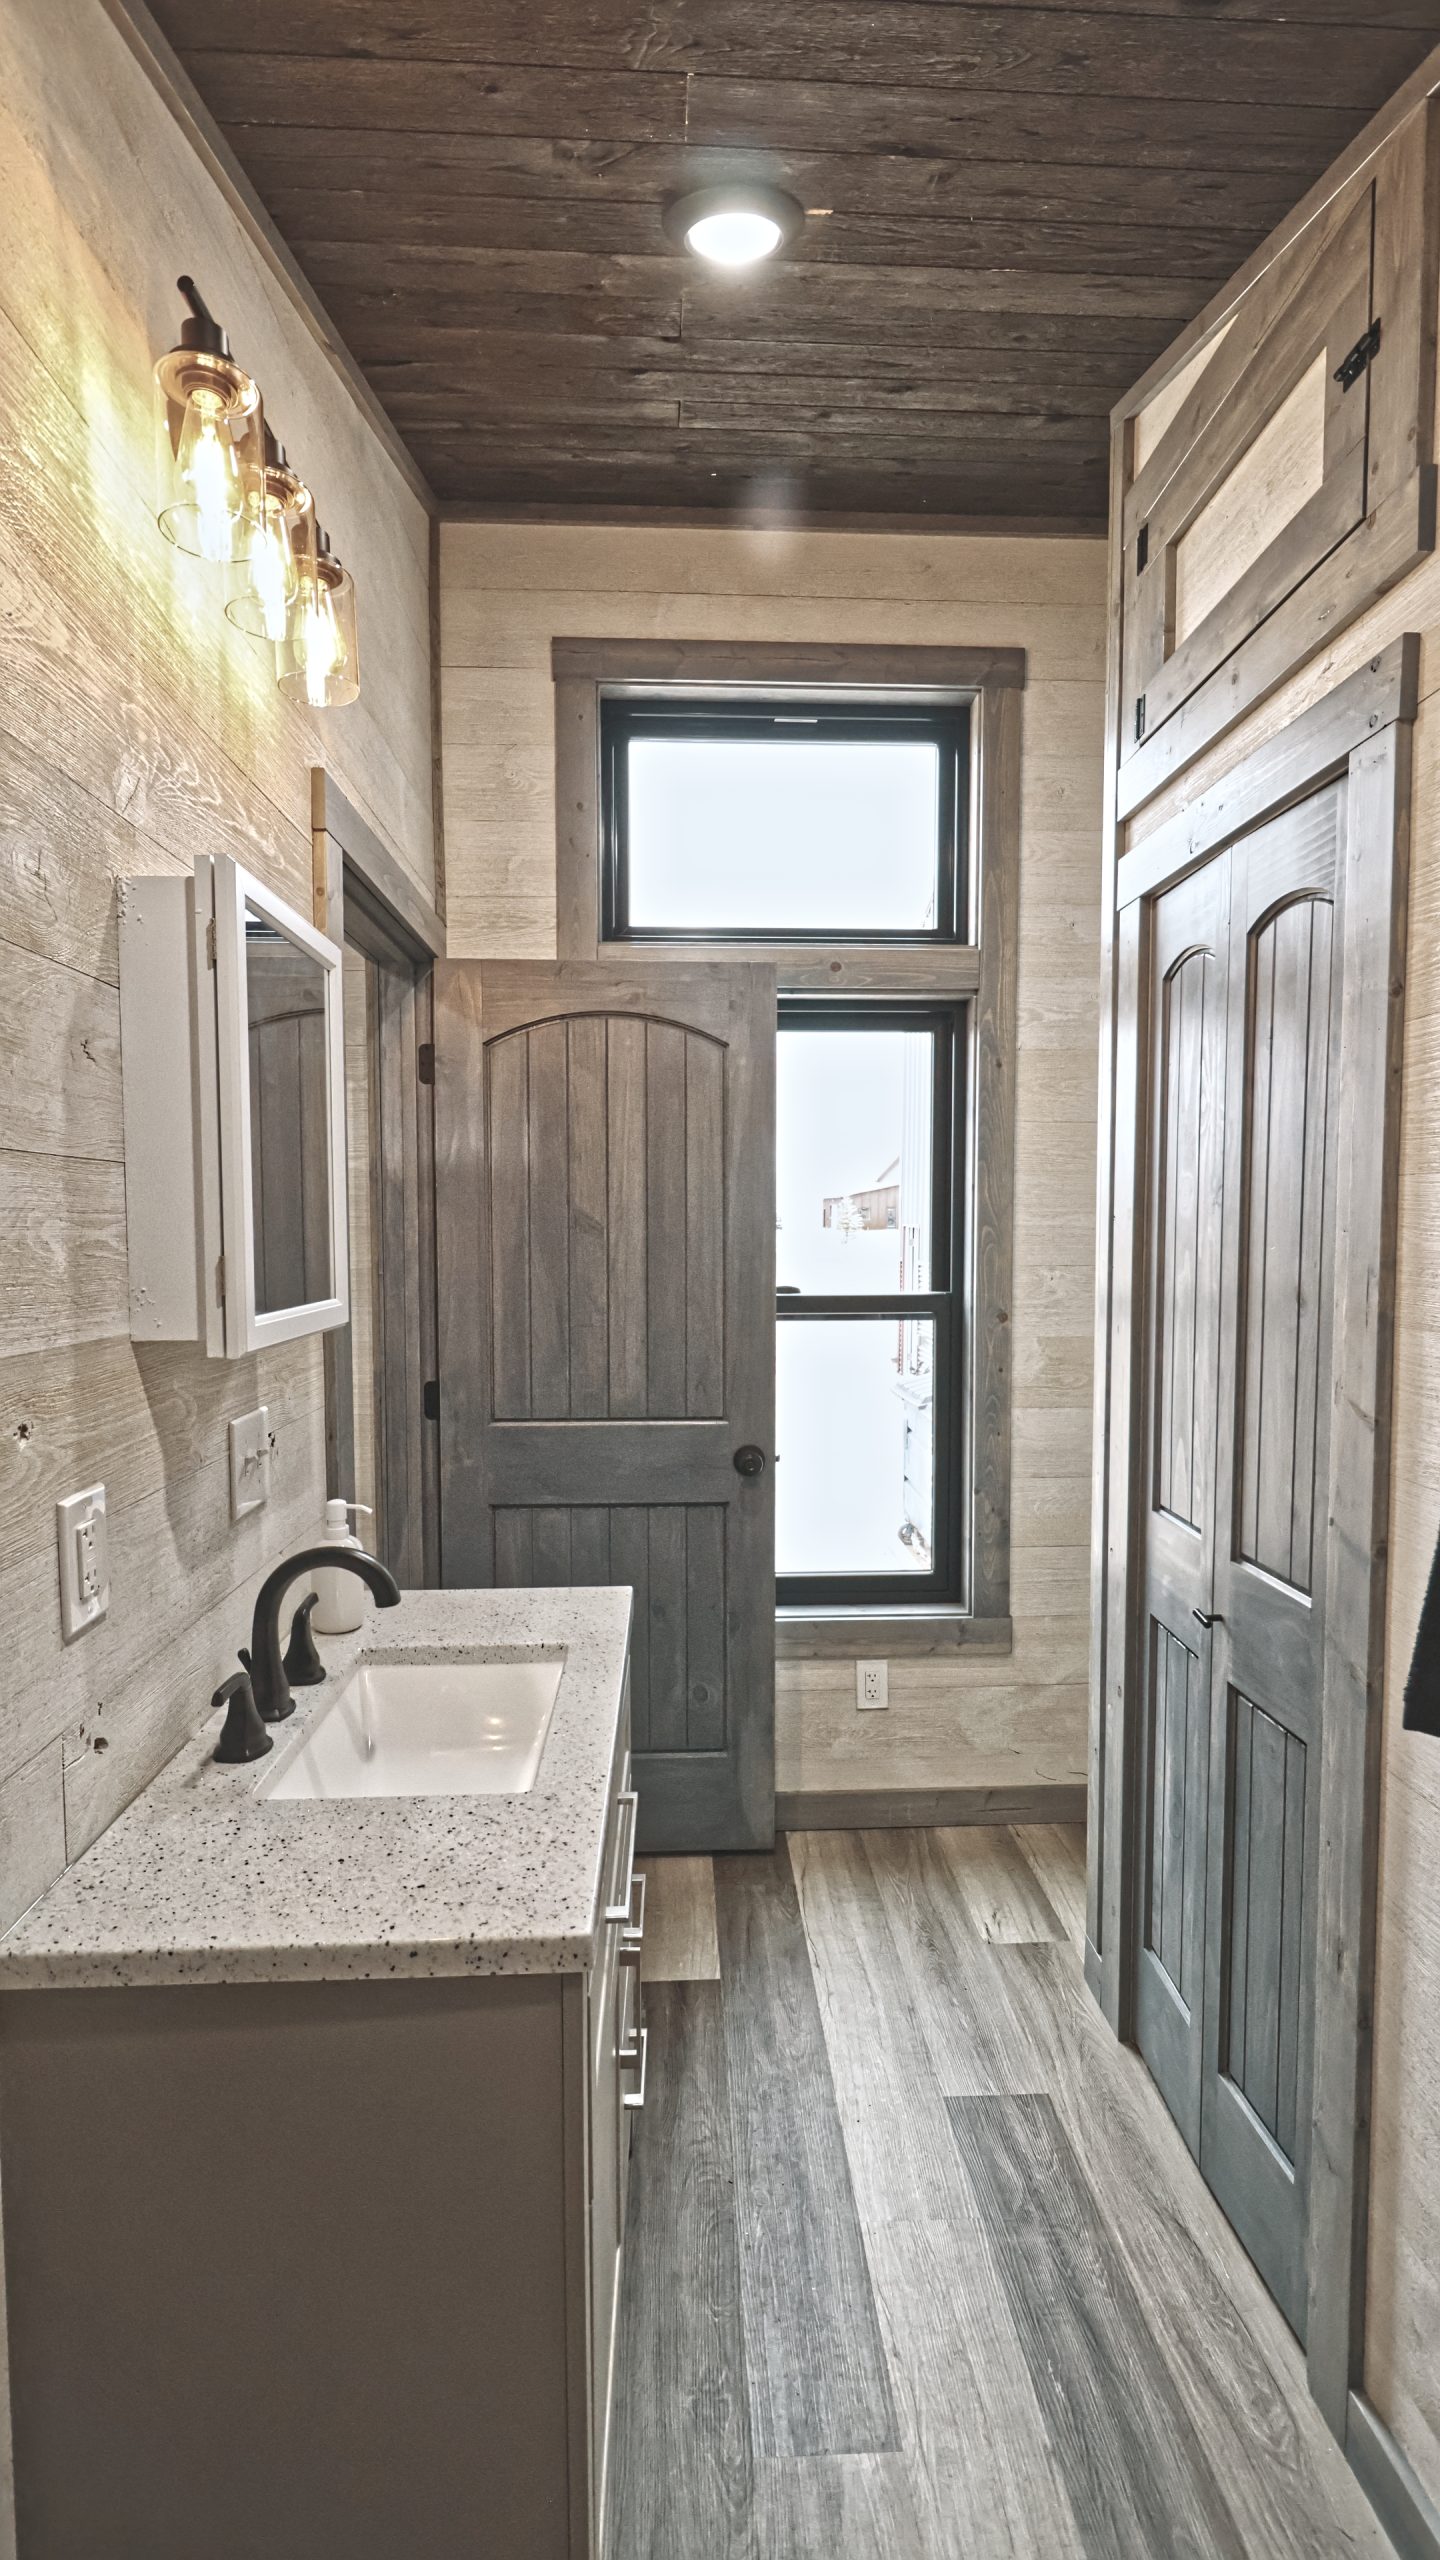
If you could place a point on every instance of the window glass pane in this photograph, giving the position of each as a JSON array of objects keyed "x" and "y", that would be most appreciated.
[
  {"x": 854, "y": 1441},
  {"x": 854, "y": 1129},
  {"x": 783, "y": 835}
]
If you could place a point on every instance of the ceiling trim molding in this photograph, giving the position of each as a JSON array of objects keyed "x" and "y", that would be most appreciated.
[
  {"x": 761, "y": 520},
  {"x": 172, "y": 82}
]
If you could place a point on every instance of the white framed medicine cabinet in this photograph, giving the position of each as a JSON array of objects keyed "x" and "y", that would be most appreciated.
[{"x": 232, "y": 1053}]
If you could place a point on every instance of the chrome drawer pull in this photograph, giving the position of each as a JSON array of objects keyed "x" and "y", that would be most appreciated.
[
  {"x": 621, "y": 1910},
  {"x": 635, "y": 2099},
  {"x": 634, "y": 1929},
  {"x": 627, "y": 2049}
]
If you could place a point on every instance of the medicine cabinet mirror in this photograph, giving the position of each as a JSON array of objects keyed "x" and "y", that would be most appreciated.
[{"x": 232, "y": 1044}]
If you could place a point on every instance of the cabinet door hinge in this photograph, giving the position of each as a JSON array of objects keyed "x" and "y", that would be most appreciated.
[
  {"x": 425, "y": 1062},
  {"x": 210, "y": 943},
  {"x": 430, "y": 1399},
  {"x": 1361, "y": 354},
  {"x": 1139, "y": 716}
]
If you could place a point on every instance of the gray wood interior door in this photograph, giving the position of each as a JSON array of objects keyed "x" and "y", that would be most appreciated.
[
  {"x": 1244, "y": 1028},
  {"x": 605, "y": 1203}
]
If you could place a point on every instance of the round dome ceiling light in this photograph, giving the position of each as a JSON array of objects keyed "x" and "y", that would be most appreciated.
[{"x": 734, "y": 226}]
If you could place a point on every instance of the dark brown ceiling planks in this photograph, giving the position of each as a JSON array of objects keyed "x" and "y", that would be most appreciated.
[{"x": 1012, "y": 211}]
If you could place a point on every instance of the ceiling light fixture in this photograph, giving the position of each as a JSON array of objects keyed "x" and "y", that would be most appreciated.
[{"x": 734, "y": 226}]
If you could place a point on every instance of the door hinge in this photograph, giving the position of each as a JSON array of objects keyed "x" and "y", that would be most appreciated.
[
  {"x": 430, "y": 1400},
  {"x": 210, "y": 943},
  {"x": 1361, "y": 354},
  {"x": 219, "y": 1279},
  {"x": 1142, "y": 548},
  {"x": 1139, "y": 716},
  {"x": 425, "y": 1061}
]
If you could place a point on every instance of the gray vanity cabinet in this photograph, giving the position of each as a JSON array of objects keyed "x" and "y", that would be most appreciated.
[{"x": 326, "y": 2270}]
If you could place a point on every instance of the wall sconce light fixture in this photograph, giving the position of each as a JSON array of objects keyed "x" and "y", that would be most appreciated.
[
  {"x": 213, "y": 446},
  {"x": 266, "y": 579},
  {"x": 317, "y": 662}
]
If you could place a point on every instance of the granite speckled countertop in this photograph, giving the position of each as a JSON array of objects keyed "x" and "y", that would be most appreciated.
[{"x": 198, "y": 1881}]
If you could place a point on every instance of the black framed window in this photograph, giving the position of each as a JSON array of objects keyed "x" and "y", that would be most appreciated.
[
  {"x": 869, "y": 1252},
  {"x": 784, "y": 820}
]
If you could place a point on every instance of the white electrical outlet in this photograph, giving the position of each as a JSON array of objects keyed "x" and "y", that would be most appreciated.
[
  {"x": 250, "y": 1462},
  {"x": 872, "y": 1684},
  {"x": 80, "y": 1527}
]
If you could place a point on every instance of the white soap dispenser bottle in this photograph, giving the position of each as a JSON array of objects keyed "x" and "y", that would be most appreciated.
[{"x": 343, "y": 1596}]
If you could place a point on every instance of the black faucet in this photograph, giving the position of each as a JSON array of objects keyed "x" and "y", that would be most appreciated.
[{"x": 267, "y": 1671}]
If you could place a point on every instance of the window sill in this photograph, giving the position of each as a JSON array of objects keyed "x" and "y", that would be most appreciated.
[{"x": 846, "y": 1635}]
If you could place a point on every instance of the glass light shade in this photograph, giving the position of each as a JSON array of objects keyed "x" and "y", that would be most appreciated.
[
  {"x": 734, "y": 239},
  {"x": 212, "y": 453},
  {"x": 317, "y": 663},
  {"x": 266, "y": 581}
]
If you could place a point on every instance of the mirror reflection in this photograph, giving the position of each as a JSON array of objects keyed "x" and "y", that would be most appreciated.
[{"x": 289, "y": 1129}]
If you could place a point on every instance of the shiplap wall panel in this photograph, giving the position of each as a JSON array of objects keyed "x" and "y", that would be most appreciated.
[
  {"x": 506, "y": 591},
  {"x": 1401, "y": 2374},
  {"x": 137, "y": 729}
]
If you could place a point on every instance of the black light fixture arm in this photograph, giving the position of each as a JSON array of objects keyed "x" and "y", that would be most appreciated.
[{"x": 202, "y": 332}]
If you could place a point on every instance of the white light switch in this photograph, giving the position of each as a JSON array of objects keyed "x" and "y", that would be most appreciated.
[
  {"x": 84, "y": 1559},
  {"x": 250, "y": 1462}
]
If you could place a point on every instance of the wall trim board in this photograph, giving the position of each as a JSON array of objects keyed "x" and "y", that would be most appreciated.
[
  {"x": 652, "y": 663},
  {"x": 1367, "y": 145},
  {"x": 1362, "y": 730},
  {"x": 845, "y": 1635},
  {"x": 333, "y": 815},
  {"x": 168, "y": 76},
  {"x": 772, "y": 520},
  {"x": 924, "y": 1808},
  {"x": 1395, "y": 2491}
]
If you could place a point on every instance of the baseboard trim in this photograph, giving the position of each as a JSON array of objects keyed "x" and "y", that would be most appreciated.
[
  {"x": 896, "y": 1808},
  {"x": 1398, "y": 2496}
]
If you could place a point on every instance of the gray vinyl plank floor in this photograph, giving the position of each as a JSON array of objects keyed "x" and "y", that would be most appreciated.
[{"x": 917, "y": 2263}]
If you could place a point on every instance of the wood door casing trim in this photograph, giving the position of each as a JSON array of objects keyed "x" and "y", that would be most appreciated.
[
  {"x": 984, "y": 971},
  {"x": 1361, "y": 731}
]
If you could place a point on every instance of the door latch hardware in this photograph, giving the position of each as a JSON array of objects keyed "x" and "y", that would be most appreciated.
[
  {"x": 1348, "y": 373},
  {"x": 430, "y": 1400},
  {"x": 1207, "y": 1617},
  {"x": 425, "y": 1062},
  {"x": 1142, "y": 549},
  {"x": 749, "y": 1461},
  {"x": 1139, "y": 716}
]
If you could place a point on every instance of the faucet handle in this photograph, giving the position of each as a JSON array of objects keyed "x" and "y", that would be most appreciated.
[
  {"x": 244, "y": 1736},
  {"x": 303, "y": 1666}
]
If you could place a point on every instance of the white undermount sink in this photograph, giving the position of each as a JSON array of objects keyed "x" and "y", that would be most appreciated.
[{"x": 425, "y": 1729}]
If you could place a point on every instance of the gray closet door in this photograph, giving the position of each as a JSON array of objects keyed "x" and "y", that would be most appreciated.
[
  {"x": 605, "y": 1193},
  {"x": 1244, "y": 1025},
  {"x": 1190, "y": 976}
]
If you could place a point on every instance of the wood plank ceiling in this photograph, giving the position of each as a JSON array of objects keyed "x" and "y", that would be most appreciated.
[{"x": 1014, "y": 209}]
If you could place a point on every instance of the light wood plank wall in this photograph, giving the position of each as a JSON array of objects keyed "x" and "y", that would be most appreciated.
[
  {"x": 137, "y": 729},
  {"x": 1402, "y": 2373},
  {"x": 506, "y": 591}
]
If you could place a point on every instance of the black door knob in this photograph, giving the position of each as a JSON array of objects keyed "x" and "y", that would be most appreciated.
[
  {"x": 1207, "y": 1617},
  {"x": 749, "y": 1461}
]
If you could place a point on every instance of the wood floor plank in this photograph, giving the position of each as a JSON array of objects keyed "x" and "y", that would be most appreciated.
[
  {"x": 984, "y": 2480},
  {"x": 680, "y": 1943},
  {"x": 1003, "y": 1897},
  {"x": 977, "y": 2043},
  {"x": 851, "y": 2506},
  {"x": 1056, "y": 1851},
  {"x": 1138, "y": 2476},
  {"x": 1224, "y": 2339},
  {"x": 682, "y": 2476},
  {"x": 815, "y": 2363},
  {"x": 897, "y": 2135}
]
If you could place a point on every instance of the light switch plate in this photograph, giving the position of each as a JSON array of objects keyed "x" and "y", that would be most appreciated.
[
  {"x": 250, "y": 1462},
  {"x": 82, "y": 1531},
  {"x": 872, "y": 1684}
]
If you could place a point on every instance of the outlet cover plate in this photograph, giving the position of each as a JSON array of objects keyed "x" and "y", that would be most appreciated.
[
  {"x": 872, "y": 1685},
  {"x": 83, "y": 1535},
  {"x": 250, "y": 1462}
]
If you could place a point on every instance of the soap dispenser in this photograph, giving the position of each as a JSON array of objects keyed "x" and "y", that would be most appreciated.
[{"x": 343, "y": 1598}]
